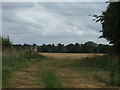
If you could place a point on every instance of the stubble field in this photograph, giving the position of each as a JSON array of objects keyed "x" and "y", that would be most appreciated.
[{"x": 71, "y": 55}]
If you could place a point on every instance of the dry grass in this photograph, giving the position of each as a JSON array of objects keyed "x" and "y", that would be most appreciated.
[{"x": 71, "y": 55}]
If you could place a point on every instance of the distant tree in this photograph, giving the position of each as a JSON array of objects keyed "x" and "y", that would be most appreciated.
[
  {"x": 44, "y": 48},
  {"x": 50, "y": 48},
  {"x": 6, "y": 43},
  {"x": 53, "y": 48},
  {"x": 105, "y": 48},
  {"x": 90, "y": 47},
  {"x": 77, "y": 47},
  {"x": 70, "y": 48},
  {"x": 82, "y": 48},
  {"x": 18, "y": 46},
  {"x": 60, "y": 48},
  {"x": 34, "y": 44}
]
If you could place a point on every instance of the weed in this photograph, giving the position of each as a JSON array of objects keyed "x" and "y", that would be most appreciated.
[{"x": 50, "y": 79}]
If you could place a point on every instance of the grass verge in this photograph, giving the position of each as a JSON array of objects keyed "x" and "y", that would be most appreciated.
[
  {"x": 105, "y": 68},
  {"x": 49, "y": 79},
  {"x": 13, "y": 60}
]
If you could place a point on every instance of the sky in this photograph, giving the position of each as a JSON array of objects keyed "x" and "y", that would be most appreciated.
[{"x": 52, "y": 22}]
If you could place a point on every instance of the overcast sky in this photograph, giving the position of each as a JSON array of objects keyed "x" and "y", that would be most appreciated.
[{"x": 51, "y": 22}]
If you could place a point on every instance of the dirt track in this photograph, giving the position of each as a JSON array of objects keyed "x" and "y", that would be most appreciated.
[
  {"x": 27, "y": 77},
  {"x": 70, "y": 77}
]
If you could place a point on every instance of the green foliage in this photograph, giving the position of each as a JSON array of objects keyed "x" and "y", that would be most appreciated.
[
  {"x": 105, "y": 48},
  {"x": 44, "y": 48},
  {"x": 115, "y": 74},
  {"x": 50, "y": 79},
  {"x": 110, "y": 20},
  {"x": 91, "y": 47},
  {"x": 108, "y": 63},
  {"x": 77, "y": 47},
  {"x": 70, "y": 48},
  {"x": 60, "y": 48},
  {"x": 88, "y": 47}
]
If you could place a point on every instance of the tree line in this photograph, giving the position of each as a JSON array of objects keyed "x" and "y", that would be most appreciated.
[{"x": 87, "y": 47}]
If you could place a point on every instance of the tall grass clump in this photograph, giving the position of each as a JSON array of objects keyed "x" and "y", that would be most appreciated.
[
  {"x": 107, "y": 68},
  {"x": 6, "y": 42},
  {"x": 50, "y": 79},
  {"x": 13, "y": 60}
]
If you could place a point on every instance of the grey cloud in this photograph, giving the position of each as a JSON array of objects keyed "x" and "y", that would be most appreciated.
[
  {"x": 8, "y": 16},
  {"x": 51, "y": 22},
  {"x": 16, "y": 5},
  {"x": 75, "y": 9}
]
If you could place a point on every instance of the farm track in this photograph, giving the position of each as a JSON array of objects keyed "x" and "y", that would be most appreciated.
[
  {"x": 27, "y": 77},
  {"x": 70, "y": 77}
]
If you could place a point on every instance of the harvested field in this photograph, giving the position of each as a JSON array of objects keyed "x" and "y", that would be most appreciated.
[{"x": 71, "y": 55}]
